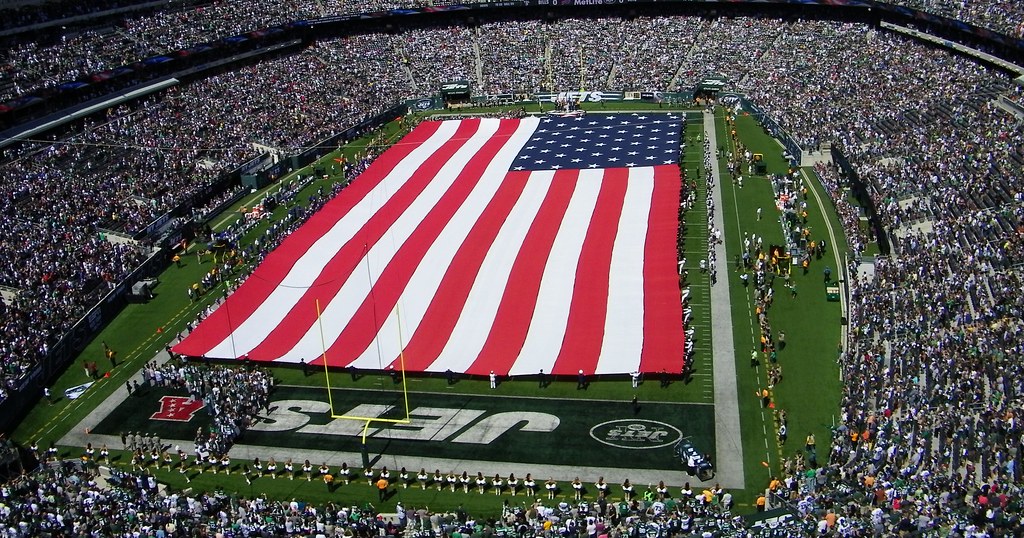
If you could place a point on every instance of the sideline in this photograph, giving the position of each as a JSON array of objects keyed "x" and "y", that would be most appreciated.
[
  {"x": 748, "y": 301},
  {"x": 728, "y": 441},
  {"x": 334, "y": 458},
  {"x": 770, "y": 438}
]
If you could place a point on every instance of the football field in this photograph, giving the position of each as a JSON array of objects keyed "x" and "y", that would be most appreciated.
[{"x": 558, "y": 431}]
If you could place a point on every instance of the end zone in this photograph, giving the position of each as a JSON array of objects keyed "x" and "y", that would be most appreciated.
[{"x": 561, "y": 438}]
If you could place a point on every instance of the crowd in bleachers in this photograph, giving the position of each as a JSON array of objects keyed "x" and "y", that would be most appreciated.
[
  {"x": 17, "y": 14},
  {"x": 367, "y": 68},
  {"x": 45, "y": 61},
  {"x": 35, "y": 64},
  {"x": 1000, "y": 15},
  {"x": 1003, "y": 16},
  {"x": 72, "y": 499},
  {"x": 514, "y": 55},
  {"x": 29, "y": 65},
  {"x": 646, "y": 60},
  {"x": 928, "y": 436},
  {"x": 77, "y": 497},
  {"x": 562, "y": 54},
  {"x": 341, "y": 7},
  {"x": 932, "y": 384},
  {"x": 172, "y": 30},
  {"x": 435, "y": 56}
]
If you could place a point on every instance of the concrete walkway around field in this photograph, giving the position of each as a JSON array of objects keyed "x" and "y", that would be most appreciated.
[{"x": 729, "y": 453}]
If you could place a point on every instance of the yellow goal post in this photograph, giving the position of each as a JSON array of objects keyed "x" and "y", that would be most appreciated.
[{"x": 327, "y": 377}]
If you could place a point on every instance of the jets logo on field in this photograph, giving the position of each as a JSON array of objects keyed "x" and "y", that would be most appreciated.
[
  {"x": 177, "y": 409},
  {"x": 463, "y": 425},
  {"x": 636, "y": 434}
]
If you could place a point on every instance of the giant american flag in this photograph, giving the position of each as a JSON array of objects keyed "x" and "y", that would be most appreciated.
[{"x": 479, "y": 245}]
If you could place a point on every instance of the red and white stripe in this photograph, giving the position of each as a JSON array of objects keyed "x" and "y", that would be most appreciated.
[{"x": 440, "y": 254}]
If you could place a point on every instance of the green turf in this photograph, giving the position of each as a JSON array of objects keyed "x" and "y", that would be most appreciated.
[
  {"x": 811, "y": 325},
  {"x": 609, "y": 387},
  {"x": 695, "y": 249}
]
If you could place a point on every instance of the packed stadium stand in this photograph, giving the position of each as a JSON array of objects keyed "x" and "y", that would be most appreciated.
[{"x": 931, "y": 372}]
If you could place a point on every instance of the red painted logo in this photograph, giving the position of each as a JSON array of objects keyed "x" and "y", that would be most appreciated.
[{"x": 177, "y": 408}]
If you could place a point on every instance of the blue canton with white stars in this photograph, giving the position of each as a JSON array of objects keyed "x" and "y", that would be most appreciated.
[{"x": 602, "y": 141}]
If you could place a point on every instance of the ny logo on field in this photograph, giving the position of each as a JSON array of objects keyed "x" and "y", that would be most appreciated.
[
  {"x": 636, "y": 434},
  {"x": 177, "y": 409}
]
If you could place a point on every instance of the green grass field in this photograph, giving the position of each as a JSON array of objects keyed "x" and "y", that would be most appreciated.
[{"x": 809, "y": 391}]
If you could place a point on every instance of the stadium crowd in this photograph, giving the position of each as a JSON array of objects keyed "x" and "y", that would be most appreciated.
[
  {"x": 73, "y": 499},
  {"x": 928, "y": 436},
  {"x": 47, "y": 61},
  {"x": 78, "y": 497},
  {"x": 17, "y": 15},
  {"x": 1003, "y": 16}
]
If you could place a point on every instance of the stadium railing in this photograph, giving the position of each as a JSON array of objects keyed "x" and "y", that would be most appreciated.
[{"x": 861, "y": 192}]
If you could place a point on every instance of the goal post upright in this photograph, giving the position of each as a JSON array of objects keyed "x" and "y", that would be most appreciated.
[
  {"x": 327, "y": 380},
  {"x": 323, "y": 357}
]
